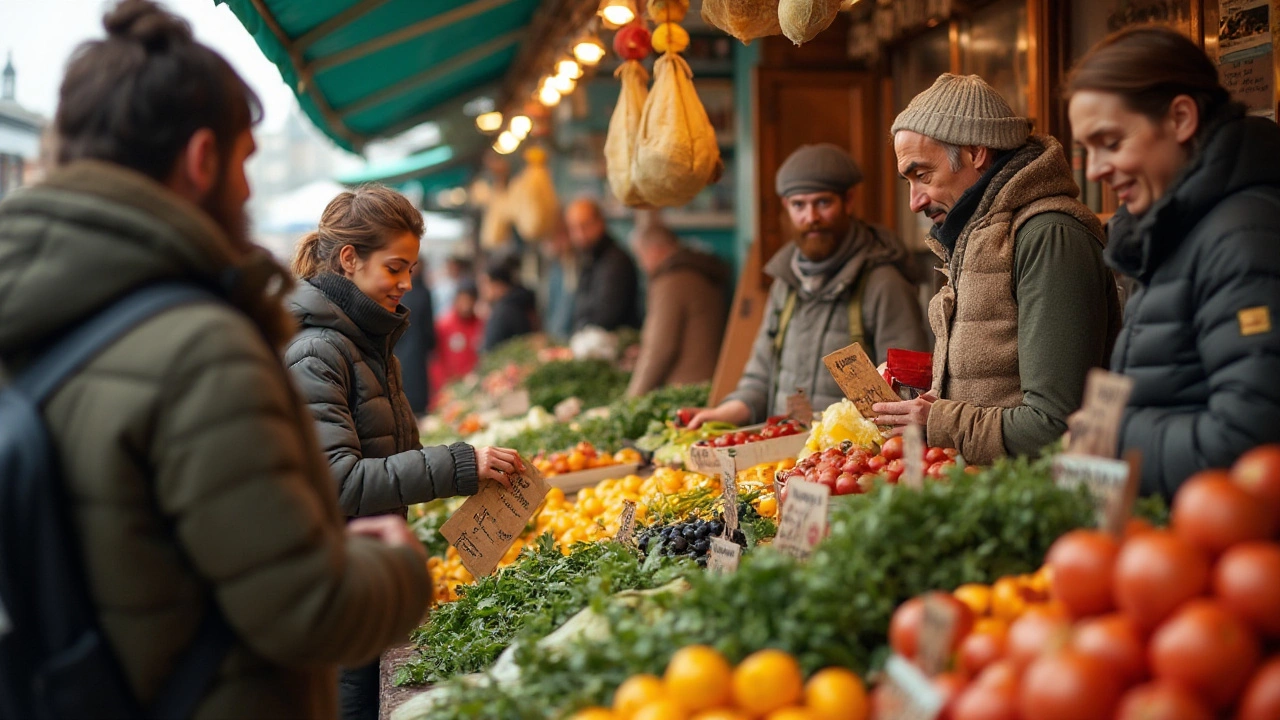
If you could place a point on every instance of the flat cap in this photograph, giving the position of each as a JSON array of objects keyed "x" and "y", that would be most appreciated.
[{"x": 818, "y": 168}]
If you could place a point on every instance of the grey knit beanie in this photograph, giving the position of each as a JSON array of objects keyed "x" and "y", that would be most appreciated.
[
  {"x": 817, "y": 168},
  {"x": 964, "y": 110}
]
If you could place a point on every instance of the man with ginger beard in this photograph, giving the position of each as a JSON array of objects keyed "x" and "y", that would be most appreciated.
[{"x": 839, "y": 281}]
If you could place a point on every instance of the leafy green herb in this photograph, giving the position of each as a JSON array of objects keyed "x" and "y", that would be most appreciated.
[{"x": 594, "y": 382}]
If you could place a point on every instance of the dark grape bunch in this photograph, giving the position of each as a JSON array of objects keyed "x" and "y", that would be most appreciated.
[{"x": 692, "y": 538}]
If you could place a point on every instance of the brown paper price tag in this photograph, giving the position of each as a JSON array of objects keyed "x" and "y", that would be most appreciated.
[
  {"x": 938, "y": 626},
  {"x": 729, "y": 489},
  {"x": 514, "y": 403},
  {"x": 487, "y": 524},
  {"x": 704, "y": 459},
  {"x": 913, "y": 457},
  {"x": 626, "y": 523},
  {"x": 804, "y": 518},
  {"x": 908, "y": 693},
  {"x": 724, "y": 555},
  {"x": 799, "y": 408},
  {"x": 858, "y": 379},
  {"x": 1095, "y": 428}
]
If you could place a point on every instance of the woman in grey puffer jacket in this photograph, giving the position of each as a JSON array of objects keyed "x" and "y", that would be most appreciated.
[{"x": 352, "y": 273}]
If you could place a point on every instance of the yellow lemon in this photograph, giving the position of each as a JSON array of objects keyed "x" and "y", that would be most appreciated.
[
  {"x": 836, "y": 694},
  {"x": 767, "y": 680},
  {"x": 635, "y": 693},
  {"x": 699, "y": 678}
]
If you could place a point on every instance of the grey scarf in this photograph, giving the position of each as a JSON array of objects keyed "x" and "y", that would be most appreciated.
[{"x": 814, "y": 274}]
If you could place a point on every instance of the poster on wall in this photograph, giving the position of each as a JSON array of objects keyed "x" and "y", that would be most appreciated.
[{"x": 1245, "y": 56}]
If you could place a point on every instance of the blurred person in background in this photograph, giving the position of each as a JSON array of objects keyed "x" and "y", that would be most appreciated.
[
  {"x": 559, "y": 283},
  {"x": 415, "y": 346},
  {"x": 687, "y": 304},
  {"x": 608, "y": 294},
  {"x": 511, "y": 306},
  {"x": 460, "y": 333}
]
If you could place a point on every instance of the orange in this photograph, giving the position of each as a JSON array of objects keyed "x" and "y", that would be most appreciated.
[
  {"x": 699, "y": 678},
  {"x": 976, "y": 596},
  {"x": 1007, "y": 602},
  {"x": 636, "y": 692},
  {"x": 767, "y": 507},
  {"x": 720, "y": 714},
  {"x": 994, "y": 627},
  {"x": 766, "y": 681},
  {"x": 793, "y": 713},
  {"x": 661, "y": 710},
  {"x": 836, "y": 694},
  {"x": 593, "y": 713}
]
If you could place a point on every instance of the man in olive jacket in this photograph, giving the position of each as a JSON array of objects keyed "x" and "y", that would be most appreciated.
[
  {"x": 194, "y": 479},
  {"x": 841, "y": 281},
  {"x": 1029, "y": 305}
]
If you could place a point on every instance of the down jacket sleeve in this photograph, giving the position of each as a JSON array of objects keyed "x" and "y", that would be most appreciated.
[
  {"x": 368, "y": 486},
  {"x": 1238, "y": 271},
  {"x": 236, "y": 470}
]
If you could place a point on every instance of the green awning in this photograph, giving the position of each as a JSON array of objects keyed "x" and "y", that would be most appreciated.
[
  {"x": 408, "y": 168},
  {"x": 364, "y": 69}
]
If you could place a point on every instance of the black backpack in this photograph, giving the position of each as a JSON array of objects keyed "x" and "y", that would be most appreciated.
[{"x": 55, "y": 661}]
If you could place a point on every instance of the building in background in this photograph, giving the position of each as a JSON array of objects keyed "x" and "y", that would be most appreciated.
[{"x": 20, "y": 133}]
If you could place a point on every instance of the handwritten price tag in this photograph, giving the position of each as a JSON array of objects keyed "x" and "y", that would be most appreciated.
[
  {"x": 1095, "y": 429},
  {"x": 729, "y": 489},
  {"x": 858, "y": 379},
  {"x": 724, "y": 555},
  {"x": 1113, "y": 485},
  {"x": 487, "y": 524},
  {"x": 804, "y": 518},
  {"x": 627, "y": 523}
]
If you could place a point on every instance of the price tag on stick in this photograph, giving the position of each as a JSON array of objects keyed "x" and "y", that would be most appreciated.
[
  {"x": 489, "y": 522},
  {"x": 936, "y": 632},
  {"x": 913, "y": 457},
  {"x": 1108, "y": 482},
  {"x": 729, "y": 489},
  {"x": 724, "y": 555},
  {"x": 909, "y": 695},
  {"x": 1120, "y": 506},
  {"x": 799, "y": 408},
  {"x": 1095, "y": 428},
  {"x": 627, "y": 523},
  {"x": 804, "y": 518}
]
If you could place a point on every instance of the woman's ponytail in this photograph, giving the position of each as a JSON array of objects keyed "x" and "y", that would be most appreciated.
[{"x": 307, "y": 262}]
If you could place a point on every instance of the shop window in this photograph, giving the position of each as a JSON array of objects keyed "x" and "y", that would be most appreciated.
[{"x": 993, "y": 45}]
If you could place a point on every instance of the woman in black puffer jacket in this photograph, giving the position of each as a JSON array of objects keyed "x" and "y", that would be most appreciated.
[
  {"x": 352, "y": 274},
  {"x": 1199, "y": 234}
]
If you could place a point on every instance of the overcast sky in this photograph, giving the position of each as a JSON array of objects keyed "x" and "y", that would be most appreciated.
[{"x": 42, "y": 33}]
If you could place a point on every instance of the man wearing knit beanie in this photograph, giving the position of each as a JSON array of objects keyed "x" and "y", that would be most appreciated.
[
  {"x": 839, "y": 281},
  {"x": 1028, "y": 306}
]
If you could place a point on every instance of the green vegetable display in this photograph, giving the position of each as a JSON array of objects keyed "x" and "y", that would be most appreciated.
[
  {"x": 884, "y": 547},
  {"x": 594, "y": 382}
]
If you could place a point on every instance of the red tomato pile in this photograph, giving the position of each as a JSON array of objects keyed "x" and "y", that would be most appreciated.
[
  {"x": 776, "y": 427},
  {"x": 1176, "y": 624},
  {"x": 854, "y": 470}
]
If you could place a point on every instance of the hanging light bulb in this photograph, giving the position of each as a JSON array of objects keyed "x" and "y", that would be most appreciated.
[
  {"x": 563, "y": 85},
  {"x": 617, "y": 13},
  {"x": 489, "y": 122},
  {"x": 569, "y": 68},
  {"x": 589, "y": 50},
  {"x": 507, "y": 143},
  {"x": 548, "y": 95},
  {"x": 520, "y": 126}
]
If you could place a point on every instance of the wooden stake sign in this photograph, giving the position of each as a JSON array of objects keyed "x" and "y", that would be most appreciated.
[
  {"x": 1095, "y": 428},
  {"x": 913, "y": 457},
  {"x": 1113, "y": 485},
  {"x": 908, "y": 693},
  {"x": 729, "y": 489},
  {"x": 724, "y": 555},
  {"x": 858, "y": 379},
  {"x": 804, "y": 518},
  {"x": 487, "y": 524},
  {"x": 799, "y": 408},
  {"x": 936, "y": 629}
]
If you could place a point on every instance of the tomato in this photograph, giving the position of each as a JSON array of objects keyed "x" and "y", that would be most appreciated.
[
  {"x": 1136, "y": 526},
  {"x": 935, "y": 455},
  {"x": 986, "y": 701},
  {"x": 720, "y": 441},
  {"x": 978, "y": 650},
  {"x": 1156, "y": 572},
  {"x": 894, "y": 469},
  {"x": 951, "y": 452},
  {"x": 775, "y": 420},
  {"x": 1161, "y": 701},
  {"x": 1247, "y": 581},
  {"x": 904, "y": 627},
  {"x": 1117, "y": 642},
  {"x": 949, "y": 685},
  {"x": 1261, "y": 700},
  {"x": 1082, "y": 564},
  {"x": 1067, "y": 685},
  {"x": 876, "y": 463},
  {"x": 846, "y": 484},
  {"x": 1258, "y": 472},
  {"x": 1039, "y": 630},
  {"x": 892, "y": 448},
  {"x": 1213, "y": 513},
  {"x": 938, "y": 471},
  {"x": 1207, "y": 650},
  {"x": 855, "y": 463},
  {"x": 769, "y": 433}
]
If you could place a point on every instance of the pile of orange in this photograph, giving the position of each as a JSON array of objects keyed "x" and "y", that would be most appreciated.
[
  {"x": 700, "y": 684},
  {"x": 1180, "y": 623}
]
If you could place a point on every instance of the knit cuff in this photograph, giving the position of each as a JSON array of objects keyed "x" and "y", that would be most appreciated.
[{"x": 466, "y": 471}]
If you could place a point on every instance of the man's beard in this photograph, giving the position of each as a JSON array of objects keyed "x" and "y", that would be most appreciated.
[
  {"x": 818, "y": 242},
  {"x": 228, "y": 215}
]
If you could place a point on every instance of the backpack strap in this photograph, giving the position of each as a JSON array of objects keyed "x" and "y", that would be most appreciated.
[
  {"x": 195, "y": 669},
  {"x": 784, "y": 319},
  {"x": 857, "y": 329}
]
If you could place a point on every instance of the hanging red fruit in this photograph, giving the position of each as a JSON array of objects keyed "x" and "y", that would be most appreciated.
[{"x": 633, "y": 42}]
